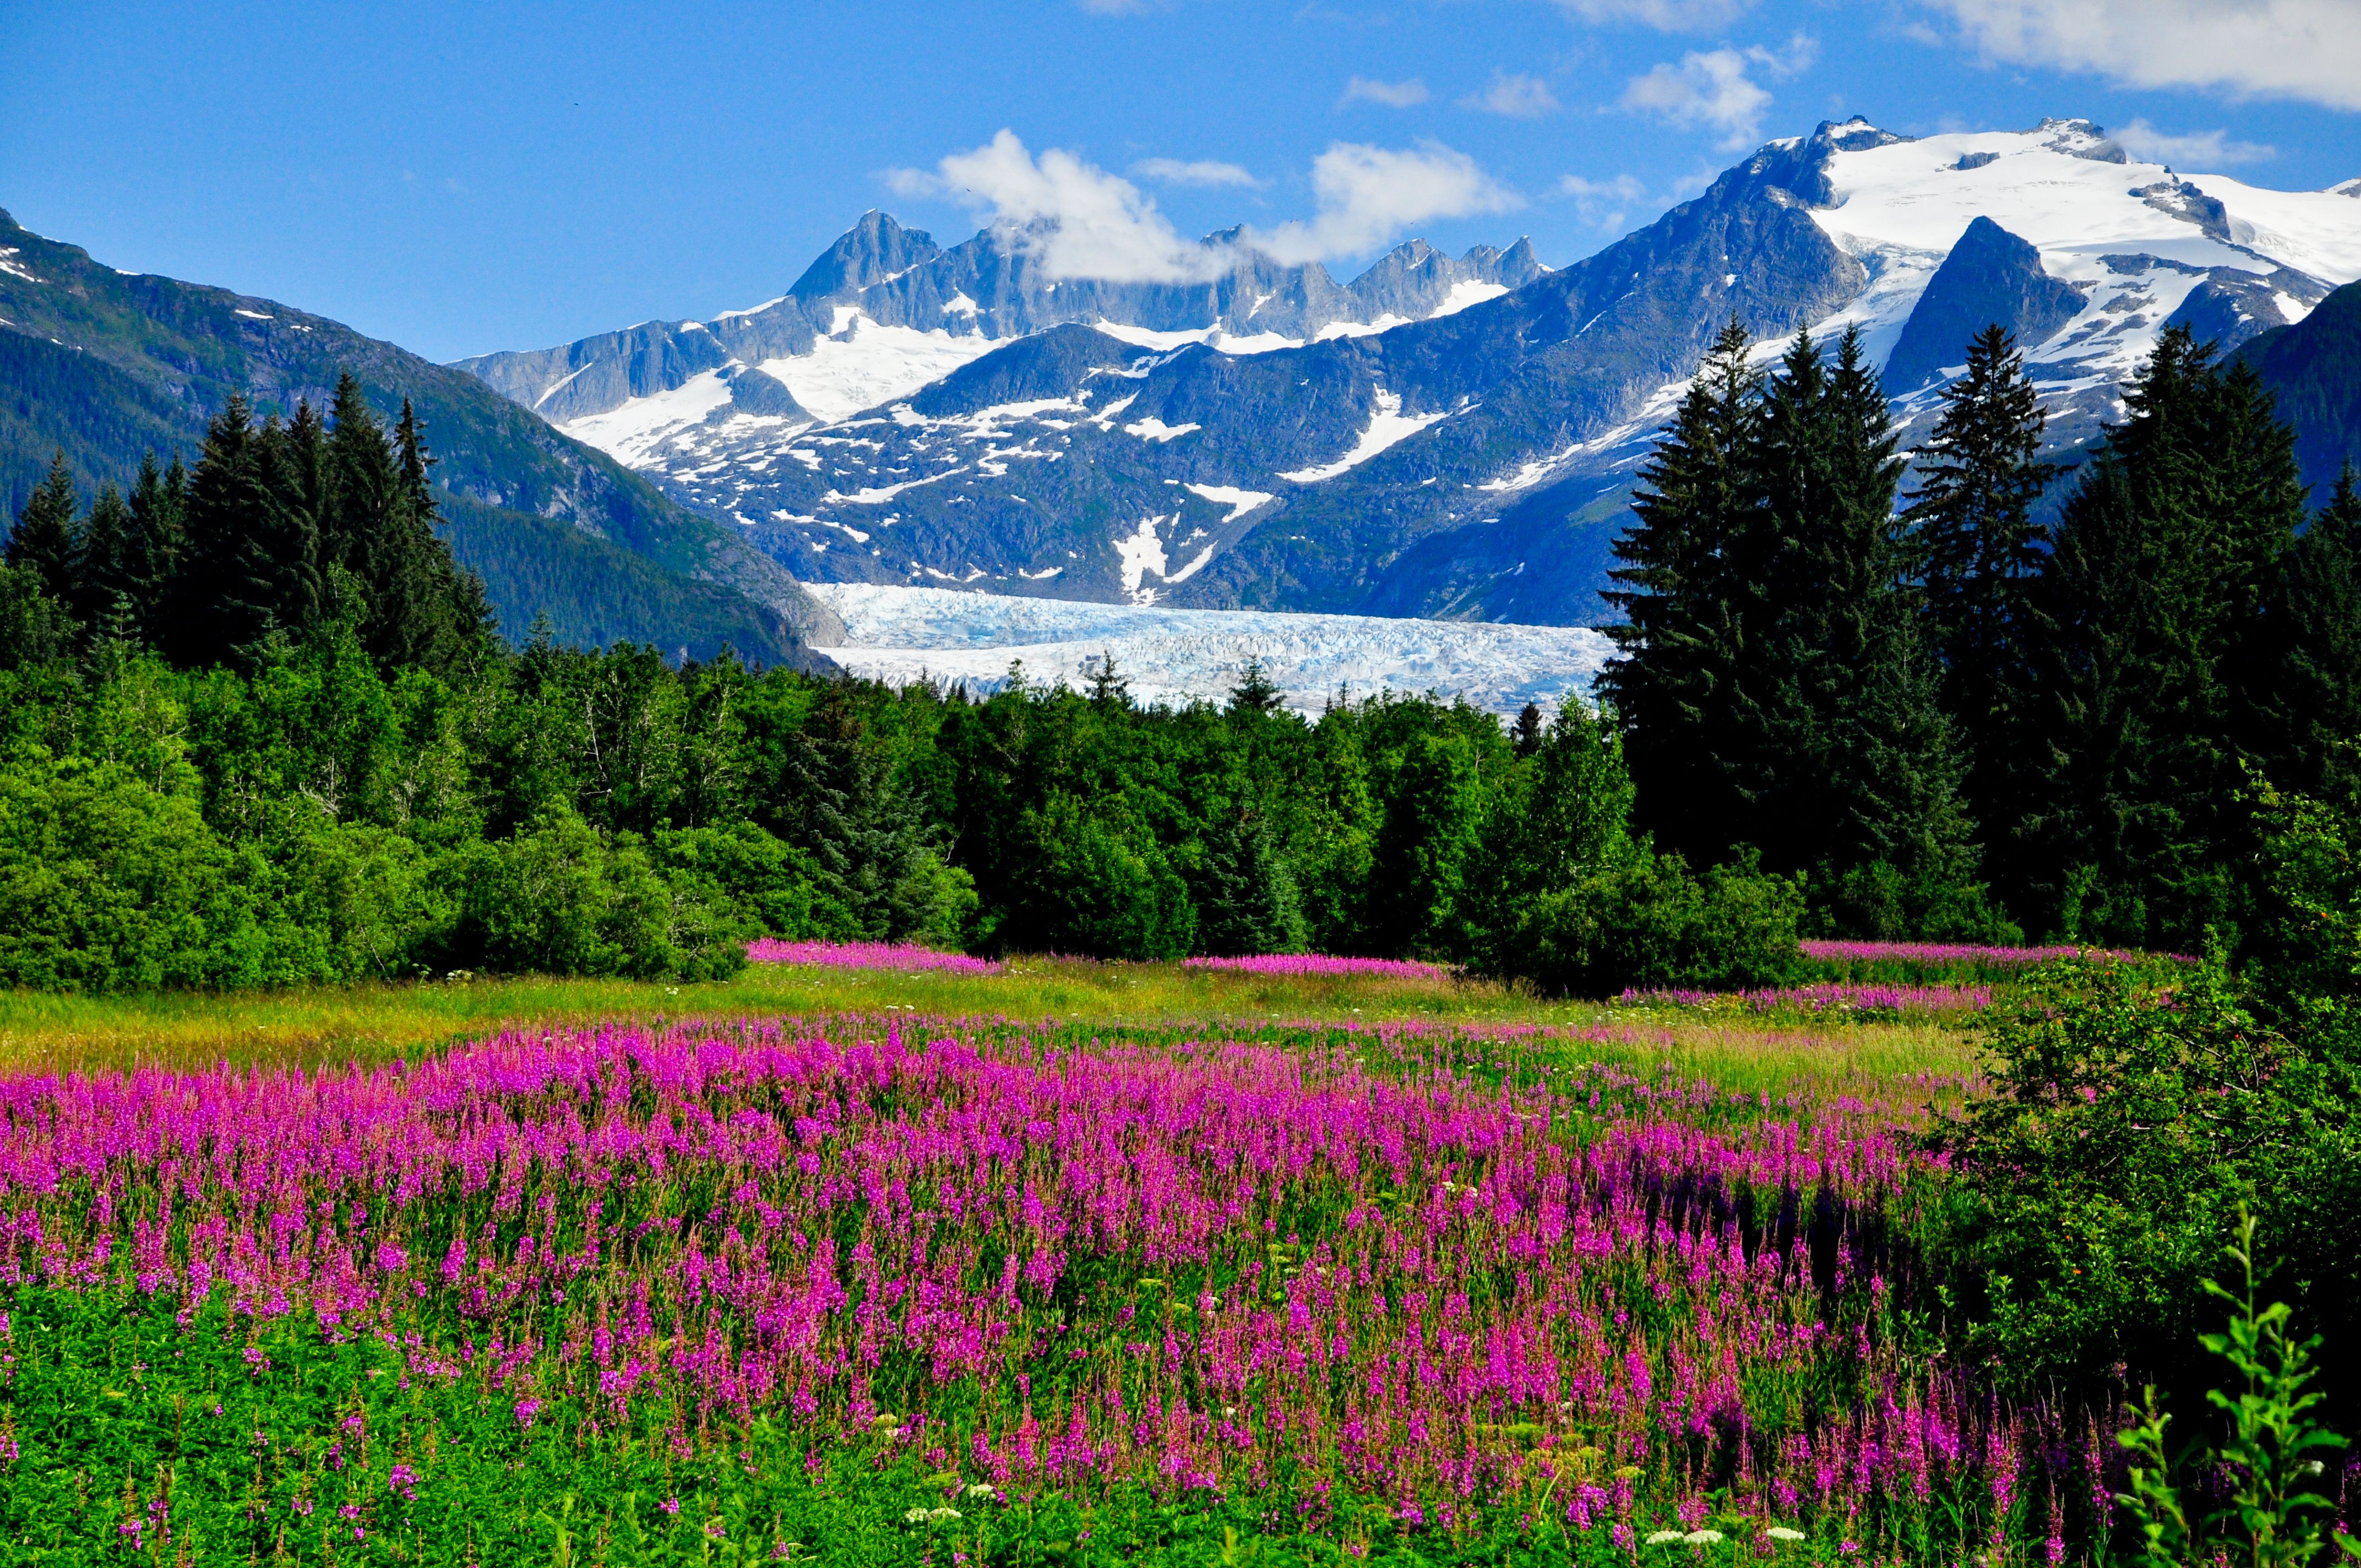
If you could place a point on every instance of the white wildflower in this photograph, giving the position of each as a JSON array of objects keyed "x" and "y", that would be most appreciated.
[
  {"x": 1702, "y": 1538},
  {"x": 1780, "y": 1532},
  {"x": 915, "y": 1516},
  {"x": 1666, "y": 1537},
  {"x": 938, "y": 1515},
  {"x": 982, "y": 1489}
]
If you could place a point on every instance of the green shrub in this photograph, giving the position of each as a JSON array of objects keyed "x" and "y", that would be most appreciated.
[
  {"x": 109, "y": 884},
  {"x": 1646, "y": 922},
  {"x": 1100, "y": 887},
  {"x": 562, "y": 898},
  {"x": 2128, "y": 1123}
]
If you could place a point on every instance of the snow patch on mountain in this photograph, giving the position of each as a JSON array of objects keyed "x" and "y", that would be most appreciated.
[
  {"x": 1141, "y": 552},
  {"x": 632, "y": 434},
  {"x": 866, "y": 364},
  {"x": 1154, "y": 429},
  {"x": 1239, "y": 502},
  {"x": 903, "y": 634},
  {"x": 2134, "y": 237},
  {"x": 1466, "y": 292},
  {"x": 1387, "y": 425}
]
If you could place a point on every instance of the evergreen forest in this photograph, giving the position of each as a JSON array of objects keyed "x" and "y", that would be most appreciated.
[{"x": 256, "y": 728}]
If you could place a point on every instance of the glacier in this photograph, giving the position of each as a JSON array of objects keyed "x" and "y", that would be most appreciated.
[{"x": 900, "y": 634}]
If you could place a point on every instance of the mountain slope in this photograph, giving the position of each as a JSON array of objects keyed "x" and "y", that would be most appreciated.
[
  {"x": 109, "y": 366},
  {"x": 2314, "y": 369},
  {"x": 1439, "y": 437}
]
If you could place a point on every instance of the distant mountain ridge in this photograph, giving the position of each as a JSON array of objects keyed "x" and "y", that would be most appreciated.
[
  {"x": 989, "y": 289},
  {"x": 1439, "y": 436},
  {"x": 106, "y": 365}
]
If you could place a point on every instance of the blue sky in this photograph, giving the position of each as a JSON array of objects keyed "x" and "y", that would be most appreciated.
[{"x": 461, "y": 178}]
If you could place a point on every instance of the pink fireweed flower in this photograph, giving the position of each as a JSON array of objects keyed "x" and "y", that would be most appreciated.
[
  {"x": 1321, "y": 966},
  {"x": 865, "y": 955}
]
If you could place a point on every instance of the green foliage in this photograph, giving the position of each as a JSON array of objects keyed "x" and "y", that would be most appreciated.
[
  {"x": 2149, "y": 667},
  {"x": 1100, "y": 884},
  {"x": 34, "y": 627},
  {"x": 560, "y": 897},
  {"x": 2128, "y": 1125},
  {"x": 2271, "y": 1517},
  {"x": 1778, "y": 686},
  {"x": 1647, "y": 922}
]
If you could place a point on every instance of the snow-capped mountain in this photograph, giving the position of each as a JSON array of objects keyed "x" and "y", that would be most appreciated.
[{"x": 1438, "y": 437}]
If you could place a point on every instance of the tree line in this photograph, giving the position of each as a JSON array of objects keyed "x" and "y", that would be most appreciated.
[
  {"x": 1959, "y": 712},
  {"x": 258, "y": 729}
]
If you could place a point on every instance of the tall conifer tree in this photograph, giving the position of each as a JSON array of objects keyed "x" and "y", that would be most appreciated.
[
  {"x": 1975, "y": 548},
  {"x": 221, "y": 603},
  {"x": 2309, "y": 707},
  {"x": 104, "y": 599},
  {"x": 2153, "y": 665},
  {"x": 1684, "y": 600},
  {"x": 152, "y": 549},
  {"x": 43, "y": 541}
]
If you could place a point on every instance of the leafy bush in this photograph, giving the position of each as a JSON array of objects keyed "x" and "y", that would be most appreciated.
[
  {"x": 560, "y": 897},
  {"x": 1100, "y": 887},
  {"x": 2128, "y": 1123},
  {"x": 109, "y": 884},
  {"x": 1647, "y": 922}
]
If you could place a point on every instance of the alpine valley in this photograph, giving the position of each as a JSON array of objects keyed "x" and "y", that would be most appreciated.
[{"x": 1439, "y": 437}]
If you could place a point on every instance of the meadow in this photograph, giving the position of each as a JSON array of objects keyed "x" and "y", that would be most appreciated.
[{"x": 1057, "y": 1262}]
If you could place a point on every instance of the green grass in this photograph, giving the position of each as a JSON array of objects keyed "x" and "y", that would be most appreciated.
[{"x": 307, "y": 1028}]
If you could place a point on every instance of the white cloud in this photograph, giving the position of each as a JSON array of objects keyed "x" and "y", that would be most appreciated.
[
  {"x": 2289, "y": 49},
  {"x": 2196, "y": 150},
  {"x": 1665, "y": 16},
  {"x": 1516, "y": 96},
  {"x": 1602, "y": 202},
  {"x": 1195, "y": 171},
  {"x": 1392, "y": 95},
  {"x": 1079, "y": 221},
  {"x": 1712, "y": 88},
  {"x": 1076, "y": 219},
  {"x": 1367, "y": 195}
]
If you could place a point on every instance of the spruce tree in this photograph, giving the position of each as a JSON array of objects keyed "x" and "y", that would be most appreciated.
[
  {"x": 152, "y": 548},
  {"x": 2308, "y": 716},
  {"x": 1684, "y": 599},
  {"x": 1247, "y": 898},
  {"x": 43, "y": 542},
  {"x": 106, "y": 599},
  {"x": 1525, "y": 735},
  {"x": 222, "y": 604},
  {"x": 2156, "y": 662},
  {"x": 1846, "y": 766},
  {"x": 296, "y": 468},
  {"x": 1975, "y": 548},
  {"x": 363, "y": 485}
]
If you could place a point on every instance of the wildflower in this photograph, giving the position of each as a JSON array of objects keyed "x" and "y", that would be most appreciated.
[
  {"x": 937, "y": 1516},
  {"x": 525, "y": 1411},
  {"x": 915, "y": 1516},
  {"x": 1666, "y": 1537},
  {"x": 1780, "y": 1532},
  {"x": 670, "y": 1505},
  {"x": 1702, "y": 1538},
  {"x": 982, "y": 1489}
]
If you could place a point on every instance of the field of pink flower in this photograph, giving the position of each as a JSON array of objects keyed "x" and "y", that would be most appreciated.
[
  {"x": 903, "y": 956},
  {"x": 863, "y": 1291},
  {"x": 1320, "y": 966}
]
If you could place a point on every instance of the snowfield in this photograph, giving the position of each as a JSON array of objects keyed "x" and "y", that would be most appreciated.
[{"x": 903, "y": 634}]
